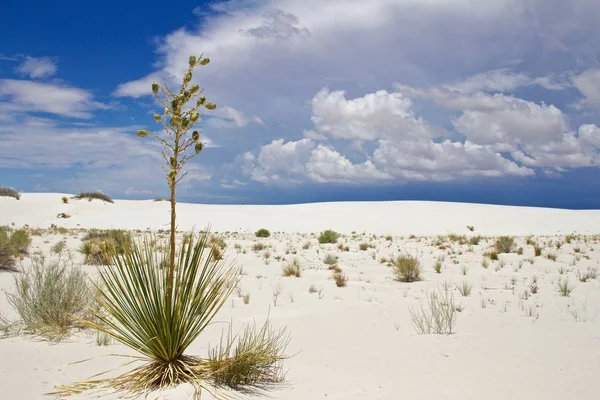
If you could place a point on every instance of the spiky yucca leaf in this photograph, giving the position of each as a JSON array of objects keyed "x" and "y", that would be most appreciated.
[{"x": 136, "y": 312}]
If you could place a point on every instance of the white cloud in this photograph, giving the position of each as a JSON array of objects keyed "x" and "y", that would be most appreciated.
[
  {"x": 588, "y": 83},
  {"x": 30, "y": 96},
  {"x": 237, "y": 118},
  {"x": 37, "y": 67},
  {"x": 499, "y": 80}
]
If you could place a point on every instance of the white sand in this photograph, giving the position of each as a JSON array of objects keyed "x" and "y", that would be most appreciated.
[{"x": 357, "y": 342}]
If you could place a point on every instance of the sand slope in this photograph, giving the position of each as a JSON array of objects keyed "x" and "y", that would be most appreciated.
[{"x": 396, "y": 217}]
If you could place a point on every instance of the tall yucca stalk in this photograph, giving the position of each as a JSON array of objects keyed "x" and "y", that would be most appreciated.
[
  {"x": 160, "y": 311},
  {"x": 177, "y": 122}
]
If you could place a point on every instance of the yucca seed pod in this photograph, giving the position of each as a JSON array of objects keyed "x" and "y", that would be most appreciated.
[
  {"x": 195, "y": 116},
  {"x": 155, "y": 87},
  {"x": 142, "y": 133},
  {"x": 192, "y": 61},
  {"x": 198, "y": 147},
  {"x": 185, "y": 122},
  {"x": 195, "y": 136},
  {"x": 194, "y": 88},
  {"x": 173, "y": 162},
  {"x": 167, "y": 111},
  {"x": 201, "y": 101},
  {"x": 157, "y": 117},
  {"x": 210, "y": 106},
  {"x": 188, "y": 76},
  {"x": 172, "y": 174},
  {"x": 175, "y": 121},
  {"x": 175, "y": 103},
  {"x": 204, "y": 61}
]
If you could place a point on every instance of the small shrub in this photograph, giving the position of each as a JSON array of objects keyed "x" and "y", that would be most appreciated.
[
  {"x": 330, "y": 259},
  {"x": 485, "y": 263},
  {"x": 492, "y": 255},
  {"x": 20, "y": 241},
  {"x": 341, "y": 280},
  {"x": 65, "y": 199},
  {"x": 58, "y": 247},
  {"x": 364, "y": 246},
  {"x": 563, "y": 288},
  {"x": 591, "y": 274},
  {"x": 7, "y": 259},
  {"x": 438, "y": 316},
  {"x": 98, "y": 247},
  {"x": 306, "y": 246},
  {"x": 256, "y": 247},
  {"x": 49, "y": 297},
  {"x": 9, "y": 192},
  {"x": 334, "y": 268},
  {"x": 465, "y": 289},
  {"x": 262, "y": 233},
  {"x": 475, "y": 240},
  {"x": 505, "y": 244},
  {"x": 389, "y": 238},
  {"x": 520, "y": 251},
  {"x": 537, "y": 250},
  {"x": 312, "y": 289},
  {"x": 328, "y": 236},
  {"x": 551, "y": 256},
  {"x": 292, "y": 268},
  {"x": 437, "y": 267},
  {"x": 407, "y": 268},
  {"x": 343, "y": 247},
  {"x": 464, "y": 269},
  {"x": 93, "y": 196}
]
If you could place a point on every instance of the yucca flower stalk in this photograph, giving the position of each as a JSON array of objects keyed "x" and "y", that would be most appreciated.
[{"x": 158, "y": 303}]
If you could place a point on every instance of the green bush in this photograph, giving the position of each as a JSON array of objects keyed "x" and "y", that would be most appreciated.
[
  {"x": 505, "y": 244},
  {"x": 50, "y": 297},
  {"x": 328, "y": 236},
  {"x": 407, "y": 268},
  {"x": 263, "y": 233},
  {"x": 7, "y": 258},
  {"x": 99, "y": 247}
]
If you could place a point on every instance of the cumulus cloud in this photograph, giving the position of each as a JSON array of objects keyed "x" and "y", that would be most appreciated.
[
  {"x": 37, "y": 67},
  {"x": 30, "y": 96},
  {"x": 588, "y": 83}
]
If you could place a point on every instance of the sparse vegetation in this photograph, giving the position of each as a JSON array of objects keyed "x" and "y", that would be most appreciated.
[
  {"x": 330, "y": 259},
  {"x": 537, "y": 249},
  {"x": 50, "y": 296},
  {"x": 9, "y": 192},
  {"x": 407, "y": 268},
  {"x": 437, "y": 267},
  {"x": 340, "y": 278},
  {"x": 505, "y": 244},
  {"x": 328, "y": 236},
  {"x": 65, "y": 199},
  {"x": 99, "y": 247},
  {"x": 438, "y": 315},
  {"x": 564, "y": 288},
  {"x": 465, "y": 289},
  {"x": 292, "y": 268},
  {"x": 262, "y": 233},
  {"x": 89, "y": 196}
]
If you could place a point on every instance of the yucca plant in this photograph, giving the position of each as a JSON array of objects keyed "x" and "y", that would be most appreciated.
[{"x": 158, "y": 303}]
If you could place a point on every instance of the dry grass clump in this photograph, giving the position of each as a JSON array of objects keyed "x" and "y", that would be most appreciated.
[
  {"x": 438, "y": 315},
  {"x": 252, "y": 361},
  {"x": 465, "y": 289},
  {"x": 328, "y": 236},
  {"x": 505, "y": 244},
  {"x": 93, "y": 196},
  {"x": 99, "y": 247},
  {"x": 475, "y": 240},
  {"x": 292, "y": 268},
  {"x": 564, "y": 288},
  {"x": 50, "y": 297},
  {"x": 262, "y": 233},
  {"x": 407, "y": 268},
  {"x": 343, "y": 247},
  {"x": 340, "y": 278},
  {"x": 256, "y": 247},
  {"x": 9, "y": 192}
]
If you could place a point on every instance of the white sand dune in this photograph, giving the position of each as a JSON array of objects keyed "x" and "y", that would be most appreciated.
[
  {"x": 357, "y": 342},
  {"x": 394, "y": 217}
]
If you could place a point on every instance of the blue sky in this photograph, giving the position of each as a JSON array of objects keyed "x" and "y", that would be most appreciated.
[{"x": 492, "y": 101}]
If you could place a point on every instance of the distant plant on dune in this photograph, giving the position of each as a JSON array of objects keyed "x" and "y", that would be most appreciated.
[
  {"x": 407, "y": 268},
  {"x": 65, "y": 199},
  {"x": 505, "y": 244},
  {"x": 292, "y": 268},
  {"x": 262, "y": 233},
  {"x": 159, "y": 303},
  {"x": 438, "y": 315},
  {"x": 9, "y": 192},
  {"x": 330, "y": 259},
  {"x": 89, "y": 196},
  {"x": 340, "y": 278},
  {"x": 328, "y": 236},
  {"x": 100, "y": 247}
]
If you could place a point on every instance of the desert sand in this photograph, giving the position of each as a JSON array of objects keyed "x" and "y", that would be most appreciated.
[{"x": 358, "y": 342}]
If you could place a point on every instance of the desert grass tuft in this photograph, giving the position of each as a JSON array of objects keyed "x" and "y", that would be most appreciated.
[
  {"x": 437, "y": 267},
  {"x": 505, "y": 244},
  {"x": 438, "y": 315},
  {"x": 292, "y": 268},
  {"x": 50, "y": 297},
  {"x": 99, "y": 247},
  {"x": 564, "y": 288},
  {"x": 89, "y": 196},
  {"x": 340, "y": 278},
  {"x": 330, "y": 259},
  {"x": 465, "y": 289},
  {"x": 407, "y": 268}
]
